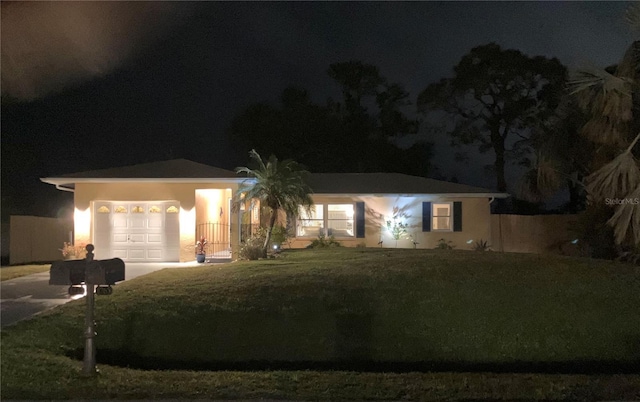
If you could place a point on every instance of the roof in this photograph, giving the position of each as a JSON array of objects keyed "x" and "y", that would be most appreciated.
[
  {"x": 171, "y": 169},
  {"x": 181, "y": 170},
  {"x": 390, "y": 183}
]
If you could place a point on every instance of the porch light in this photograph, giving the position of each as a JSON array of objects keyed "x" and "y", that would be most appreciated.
[{"x": 469, "y": 241}]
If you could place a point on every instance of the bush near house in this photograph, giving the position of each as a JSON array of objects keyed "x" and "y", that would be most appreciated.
[{"x": 472, "y": 315}]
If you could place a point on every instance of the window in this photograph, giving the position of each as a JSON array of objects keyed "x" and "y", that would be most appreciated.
[
  {"x": 155, "y": 210},
  {"x": 312, "y": 224},
  {"x": 103, "y": 210},
  {"x": 340, "y": 220},
  {"x": 441, "y": 219},
  {"x": 326, "y": 219},
  {"x": 120, "y": 209},
  {"x": 172, "y": 210},
  {"x": 137, "y": 209}
]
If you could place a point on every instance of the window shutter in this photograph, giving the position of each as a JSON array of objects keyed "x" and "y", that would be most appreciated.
[
  {"x": 426, "y": 216},
  {"x": 457, "y": 216},
  {"x": 359, "y": 219}
]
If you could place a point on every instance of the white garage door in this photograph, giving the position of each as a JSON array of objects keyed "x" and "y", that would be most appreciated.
[{"x": 137, "y": 231}]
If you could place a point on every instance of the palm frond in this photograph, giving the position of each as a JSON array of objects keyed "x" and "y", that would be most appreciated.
[
  {"x": 626, "y": 219},
  {"x": 599, "y": 80},
  {"x": 615, "y": 179},
  {"x": 601, "y": 130},
  {"x": 541, "y": 181}
]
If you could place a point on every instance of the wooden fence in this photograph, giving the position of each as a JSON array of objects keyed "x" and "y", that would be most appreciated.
[
  {"x": 533, "y": 233},
  {"x": 37, "y": 239}
]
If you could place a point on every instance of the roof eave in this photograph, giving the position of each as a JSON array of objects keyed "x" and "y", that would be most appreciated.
[
  {"x": 447, "y": 195},
  {"x": 72, "y": 180}
]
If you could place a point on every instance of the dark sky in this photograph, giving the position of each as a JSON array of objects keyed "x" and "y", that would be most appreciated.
[{"x": 97, "y": 85}]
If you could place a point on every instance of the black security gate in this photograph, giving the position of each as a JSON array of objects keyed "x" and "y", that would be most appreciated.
[{"x": 218, "y": 236}]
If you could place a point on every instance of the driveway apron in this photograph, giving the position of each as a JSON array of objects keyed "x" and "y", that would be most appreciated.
[{"x": 24, "y": 297}]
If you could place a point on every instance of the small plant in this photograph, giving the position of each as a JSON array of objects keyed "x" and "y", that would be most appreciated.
[
  {"x": 444, "y": 245},
  {"x": 252, "y": 249},
  {"x": 324, "y": 242},
  {"x": 200, "y": 245},
  {"x": 397, "y": 228},
  {"x": 280, "y": 235},
  {"x": 481, "y": 245},
  {"x": 71, "y": 252}
]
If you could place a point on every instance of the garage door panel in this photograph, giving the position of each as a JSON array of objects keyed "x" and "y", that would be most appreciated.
[
  {"x": 137, "y": 238},
  {"x": 120, "y": 253},
  {"x": 120, "y": 221},
  {"x": 154, "y": 254},
  {"x": 120, "y": 238},
  {"x": 155, "y": 238},
  {"x": 155, "y": 222},
  {"x": 137, "y": 254},
  {"x": 138, "y": 222}
]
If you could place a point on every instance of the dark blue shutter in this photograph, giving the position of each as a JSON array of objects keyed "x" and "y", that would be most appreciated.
[
  {"x": 457, "y": 216},
  {"x": 360, "y": 219},
  {"x": 426, "y": 216}
]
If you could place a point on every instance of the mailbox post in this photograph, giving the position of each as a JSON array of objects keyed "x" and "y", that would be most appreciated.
[
  {"x": 89, "y": 362},
  {"x": 91, "y": 273}
]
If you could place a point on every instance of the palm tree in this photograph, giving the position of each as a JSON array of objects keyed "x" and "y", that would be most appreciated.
[
  {"x": 278, "y": 185},
  {"x": 611, "y": 99}
]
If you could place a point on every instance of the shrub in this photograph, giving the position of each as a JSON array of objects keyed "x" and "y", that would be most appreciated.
[
  {"x": 71, "y": 252},
  {"x": 444, "y": 245},
  {"x": 252, "y": 249},
  {"x": 280, "y": 235},
  {"x": 481, "y": 245},
  {"x": 324, "y": 242}
]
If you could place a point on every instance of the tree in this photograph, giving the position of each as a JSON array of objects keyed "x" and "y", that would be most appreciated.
[
  {"x": 295, "y": 128},
  {"x": 356, "y": 134},
  {"x": 372, "y": 120},
  {"x": 278, "y": 185},
  {"x": 494, "y": 99},
  {"x": 561, "y": 158}
]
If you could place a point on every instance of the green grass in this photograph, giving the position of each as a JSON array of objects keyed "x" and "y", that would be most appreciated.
[
  {"x": 17, "y": 271},
  {"x": 374, "y": 305}
]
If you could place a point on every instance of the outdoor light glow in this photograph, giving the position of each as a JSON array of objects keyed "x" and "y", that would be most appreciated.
[
  {"x": 574, "y": 241},
  {"x": 80, "y": 296},
  {"x": 469, "y": 241},
  {"x": 82, "y": 225},
  {"x": 187, "y": 223}
]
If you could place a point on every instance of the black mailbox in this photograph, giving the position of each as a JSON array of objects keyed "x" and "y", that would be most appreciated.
[
  {"x": 106, "y": 272},
  {"x": 103, "y": 272},
  {"x": 67, "y": 272}
]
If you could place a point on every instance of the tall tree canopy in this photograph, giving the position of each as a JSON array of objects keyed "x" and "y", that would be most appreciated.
[
  {"x": 357, "y": 133},
  {"x": 494, "y": 99},
  {"x": 278, "y": 185}
]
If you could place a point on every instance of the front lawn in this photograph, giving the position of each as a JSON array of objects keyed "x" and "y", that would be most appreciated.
[
  {"x": 375, "y": 310},
  {"x": 17, "y": 271}
]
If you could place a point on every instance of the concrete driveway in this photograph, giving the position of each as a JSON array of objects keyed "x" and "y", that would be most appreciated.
[{"x": 29, "y": 295}]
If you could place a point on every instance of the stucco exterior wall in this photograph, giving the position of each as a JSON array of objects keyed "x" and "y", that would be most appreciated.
[
  {"x": 476, "y": 221},
  {"x": 184, "y": 193}
]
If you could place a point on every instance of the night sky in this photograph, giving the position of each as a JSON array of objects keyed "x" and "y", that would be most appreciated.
[{"x": 96, "y": 85}]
